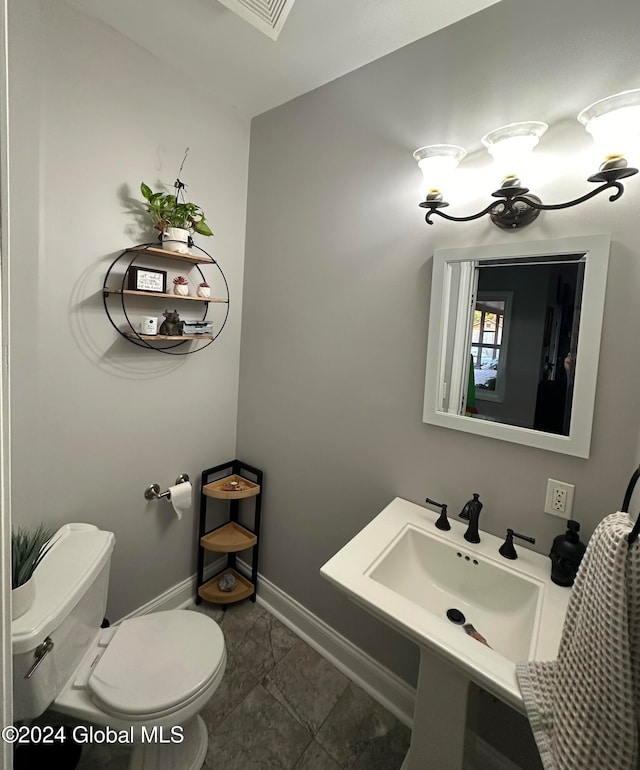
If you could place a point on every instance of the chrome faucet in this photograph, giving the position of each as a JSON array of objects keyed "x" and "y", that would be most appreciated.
[{"x": 471, "y": 513}]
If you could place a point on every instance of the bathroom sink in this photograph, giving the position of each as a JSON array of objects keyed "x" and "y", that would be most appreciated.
[
  {"x": 410, "y": 574},
  {"x": 501, "y": 604}
]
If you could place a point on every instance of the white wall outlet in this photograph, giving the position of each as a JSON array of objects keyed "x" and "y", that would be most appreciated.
[{"x": 559, "y": 499}]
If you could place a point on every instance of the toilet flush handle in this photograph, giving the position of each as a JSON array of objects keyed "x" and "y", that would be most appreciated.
[{"x": 40, "y": 651}]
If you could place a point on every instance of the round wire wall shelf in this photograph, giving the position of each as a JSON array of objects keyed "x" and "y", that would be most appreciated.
[{"x": 116, "y": 285}]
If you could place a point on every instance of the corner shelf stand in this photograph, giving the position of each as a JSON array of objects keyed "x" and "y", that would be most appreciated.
[{"x": 232, "y": 481}]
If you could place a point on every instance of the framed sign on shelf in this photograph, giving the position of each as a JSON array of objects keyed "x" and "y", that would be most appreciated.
[{"x": 147, "y": 279}]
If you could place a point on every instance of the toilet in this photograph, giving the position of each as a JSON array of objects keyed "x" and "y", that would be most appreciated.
[{"x": 142, "y": 681}]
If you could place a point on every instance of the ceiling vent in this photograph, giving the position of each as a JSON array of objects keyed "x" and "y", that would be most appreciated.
[{"x": 268, "y": 16}]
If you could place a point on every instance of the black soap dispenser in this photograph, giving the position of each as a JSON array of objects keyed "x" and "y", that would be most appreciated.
[{"x": 566, "y": 554}]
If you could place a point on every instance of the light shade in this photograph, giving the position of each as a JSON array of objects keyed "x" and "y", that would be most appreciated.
[
  {"x": 437, "y": 161},
  {"x": 614, "y": 123},
  {"x": 510, "y": 145}
]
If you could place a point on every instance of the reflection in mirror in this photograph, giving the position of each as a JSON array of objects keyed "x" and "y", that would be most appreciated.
[{"x": 512, "y": 352}]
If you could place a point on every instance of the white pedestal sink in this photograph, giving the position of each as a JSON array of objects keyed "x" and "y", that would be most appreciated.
[{"x": 409, "y": 574}]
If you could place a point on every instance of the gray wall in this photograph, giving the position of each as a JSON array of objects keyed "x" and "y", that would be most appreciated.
[
  {"x": 338, "y": 279},
  {"x": 96, "y": 419}
]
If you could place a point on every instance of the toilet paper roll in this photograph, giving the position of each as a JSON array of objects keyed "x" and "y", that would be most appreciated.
[{"x": 181, "y": 498}]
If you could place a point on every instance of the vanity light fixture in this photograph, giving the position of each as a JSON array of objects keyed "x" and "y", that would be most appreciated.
[{"x": 614, "y": 124}]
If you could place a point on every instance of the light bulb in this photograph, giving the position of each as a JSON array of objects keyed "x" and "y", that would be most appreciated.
[
  {"x": 614, "y": 124},
  {"x": 437, "y": 161},
  {"x": 510, "y": 146}
]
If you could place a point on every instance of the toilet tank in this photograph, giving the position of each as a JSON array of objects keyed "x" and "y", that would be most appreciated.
[{"x": 71, "y": 597}]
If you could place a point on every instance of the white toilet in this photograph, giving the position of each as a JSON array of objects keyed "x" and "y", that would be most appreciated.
[{"x": 148, "y": 676}]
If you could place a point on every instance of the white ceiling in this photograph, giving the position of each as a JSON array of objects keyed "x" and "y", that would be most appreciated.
[{"x": 233, "y": 61}]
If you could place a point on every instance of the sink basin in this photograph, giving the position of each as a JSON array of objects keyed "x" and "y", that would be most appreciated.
[
  {"x": 408, "y": 573},
  {"x": 439, "y": 576}
]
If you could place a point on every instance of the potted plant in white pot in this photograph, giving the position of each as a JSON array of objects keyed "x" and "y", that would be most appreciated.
[
  {"x": 28, "y": 547},
  {"x": 175, "y": 217},
  {"x": 181, "y": 286}
]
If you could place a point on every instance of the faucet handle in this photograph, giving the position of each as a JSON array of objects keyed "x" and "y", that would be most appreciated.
[
  {"x": 507, "y": 550},
  {"x": 443, "y": 521}
]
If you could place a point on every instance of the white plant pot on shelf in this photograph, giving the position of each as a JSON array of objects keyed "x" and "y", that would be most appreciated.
[
  {"x": 204, "y": 291},
  {"x": 22, "y": 598},
  {"x": 182, "y": 289},
  {"x": 176, "y": 239}
]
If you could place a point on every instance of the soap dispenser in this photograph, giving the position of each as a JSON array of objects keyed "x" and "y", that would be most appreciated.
[{"x": 566, "y": 554}]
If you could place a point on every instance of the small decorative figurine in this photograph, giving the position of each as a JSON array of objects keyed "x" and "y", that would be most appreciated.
[
  {"x": 172, "y": 326},
  {"x": 227, "y": 582},
  {"x": 234, "y": 486}
]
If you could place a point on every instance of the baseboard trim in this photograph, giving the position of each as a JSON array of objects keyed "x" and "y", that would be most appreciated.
[{"x": 178, "y": 597}]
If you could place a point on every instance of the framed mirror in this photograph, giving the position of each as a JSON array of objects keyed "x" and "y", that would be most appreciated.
[{"x": 514, "y": 340}]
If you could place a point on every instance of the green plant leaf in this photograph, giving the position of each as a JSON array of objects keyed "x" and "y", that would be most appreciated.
[
  {"x": 202, "y": 228},
  {"x": 27, "y": 550},
  {"x": 167, "y": 211}
]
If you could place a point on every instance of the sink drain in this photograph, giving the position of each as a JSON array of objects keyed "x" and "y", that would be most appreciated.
[{"x": 455, "y": 616}]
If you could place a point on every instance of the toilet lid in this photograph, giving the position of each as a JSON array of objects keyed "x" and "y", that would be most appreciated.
[{"x": 157, "y": 661}]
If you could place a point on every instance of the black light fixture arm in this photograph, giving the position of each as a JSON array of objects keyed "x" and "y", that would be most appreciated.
[
  {"x": 516, "y": 208},
  {"x": 436, "y": 206}
]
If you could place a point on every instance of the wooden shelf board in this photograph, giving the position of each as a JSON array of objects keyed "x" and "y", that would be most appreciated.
[
  {"x": 164, "y": 337},
  {"x": 163, "y": 294},
  {"x": 210, "y": 591},
  {"x": 216, "y": 488},
  {"x": 157, "y": 251},
  {"x": 230, "y": 538}
]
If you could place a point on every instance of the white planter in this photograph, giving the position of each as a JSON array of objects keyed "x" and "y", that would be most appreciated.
[
  {"x": 182, "y": 289},
  {"x": 204, "y": 291},
  {"x": 22, "y": 598},
  {"x": 176, "y": 239}
]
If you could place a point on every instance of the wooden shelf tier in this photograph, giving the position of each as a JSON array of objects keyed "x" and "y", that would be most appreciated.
[
  {"x": 164, "y": 337},
  {"x": 163, "y": 294},
  {"x": 157, "y": 251},
  {"x": 230, "y": 538},
  {"x": 217, "y": 488},
  {"x": 210, "y": 591}
]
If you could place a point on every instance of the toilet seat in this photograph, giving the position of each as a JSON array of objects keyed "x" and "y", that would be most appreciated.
[{"x": 157, "y": 664}]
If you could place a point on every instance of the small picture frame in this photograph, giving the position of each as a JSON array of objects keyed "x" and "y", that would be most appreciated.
[{"x": 147, "y": 279}]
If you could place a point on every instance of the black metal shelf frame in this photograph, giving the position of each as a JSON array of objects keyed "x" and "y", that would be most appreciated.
[
  {"x": 238, "y": 468},
  {"x": 138, "y": 340}
]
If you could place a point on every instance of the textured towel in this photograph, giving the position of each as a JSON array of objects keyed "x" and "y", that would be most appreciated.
[{"x": 583, "y": 707}]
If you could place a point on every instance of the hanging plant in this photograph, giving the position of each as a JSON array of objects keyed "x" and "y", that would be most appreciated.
[{"x": 173, "y": 209}]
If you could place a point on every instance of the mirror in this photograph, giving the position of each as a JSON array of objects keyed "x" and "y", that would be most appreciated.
[{"x": 514, "y": 341}]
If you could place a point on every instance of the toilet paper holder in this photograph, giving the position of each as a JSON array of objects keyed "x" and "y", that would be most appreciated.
[{"x": 152, "y": 492}]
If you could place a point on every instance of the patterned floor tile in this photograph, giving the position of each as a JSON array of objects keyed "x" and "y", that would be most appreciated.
[
  {"x": 258, "y": 735},
  {"x": 307, "y": 685},
  {"x": 316, "y": 758},
  {"x": 355, "y": 722},
  {"x": 387, "y": 752},
  {"x": 248, "y": 622}
]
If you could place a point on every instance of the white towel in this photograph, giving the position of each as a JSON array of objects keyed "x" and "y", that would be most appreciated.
[{"x": 583, "y": 707}]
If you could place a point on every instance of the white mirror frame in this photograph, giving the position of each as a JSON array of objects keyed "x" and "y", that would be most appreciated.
[{"x": 577, "y": 443}]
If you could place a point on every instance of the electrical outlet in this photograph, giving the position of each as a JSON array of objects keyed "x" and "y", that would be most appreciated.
[{"x": 559, "y": 499}]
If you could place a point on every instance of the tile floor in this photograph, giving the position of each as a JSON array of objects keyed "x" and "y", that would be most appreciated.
[{"x": 281, "y": 706}]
